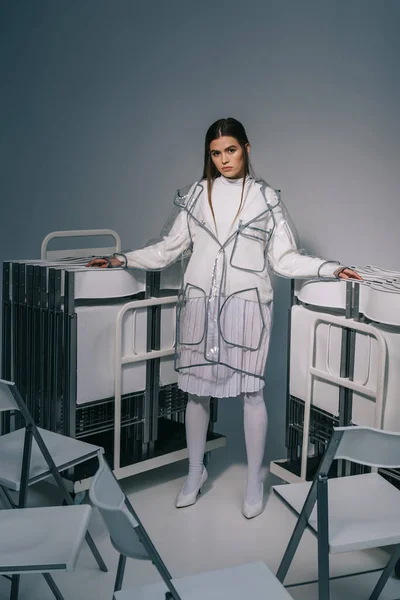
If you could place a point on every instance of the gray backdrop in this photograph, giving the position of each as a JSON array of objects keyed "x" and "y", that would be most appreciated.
[{"x": 104, "y": 107}]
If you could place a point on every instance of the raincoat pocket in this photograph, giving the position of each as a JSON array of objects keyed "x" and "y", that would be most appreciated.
[
  {"x": 249, "y": 251},
  {"x": 191, "y": 316},
  {"x": 242, "y": 319}
]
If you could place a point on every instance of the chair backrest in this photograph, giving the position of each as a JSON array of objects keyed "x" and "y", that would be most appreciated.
[
  {"x": 106, "y": 494},
  {"x": 7, "y": 400},
  {"x": 369, "y": 446}
]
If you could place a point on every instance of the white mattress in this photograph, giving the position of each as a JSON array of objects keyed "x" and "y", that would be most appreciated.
[
  {"x": 379, "y": 294},
  {"x": 92, "y": 283},
  {"x": 325, "y": 395},
  {"x": 96, "y": 349}
]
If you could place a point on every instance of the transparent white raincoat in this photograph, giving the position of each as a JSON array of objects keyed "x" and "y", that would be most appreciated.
[{"x": 224, "y": 308}]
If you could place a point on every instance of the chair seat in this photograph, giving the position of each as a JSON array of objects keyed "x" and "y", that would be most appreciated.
[
  {"x": 363, "y": 511},
  {"x": 64, "y": 450},
  {"x": 253, "y": 581},
  {"x": 50, "y": 537}
]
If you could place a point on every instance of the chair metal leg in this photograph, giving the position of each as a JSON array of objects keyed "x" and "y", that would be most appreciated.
[
  {"x": 52, "y": 585},
  {"x": 306, "y": 511},
  {"x": 14, "y": 587},
  {"x": 323, "y": 538},
  {"x": 95, "y": 552},
  {"x": 6, "y": 498},
  {"x": 26, "y": 463},
  {"x": 152, "y": 552},
  {"x": 387, "y": 571},
  {"x": 154, "y": 556},
  {"x": 67, "y": 496},
  {"x": 31, "y": 427},
  {"x": 15, "y": 579},
  {"x": 120, "y": 573},
  {"x": 297, "y": 534},
  {"x": 89, "y": 540}
]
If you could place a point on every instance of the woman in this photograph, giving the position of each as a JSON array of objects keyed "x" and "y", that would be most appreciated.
[{"x": 236, "y": 228}]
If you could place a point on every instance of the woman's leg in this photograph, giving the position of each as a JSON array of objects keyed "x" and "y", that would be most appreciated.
[
  {"x": 255, "y": 430},
  {"x": 197, "y": 419}
]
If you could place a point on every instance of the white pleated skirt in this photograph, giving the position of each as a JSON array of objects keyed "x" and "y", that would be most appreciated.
[{"x": 245, "y": 328}]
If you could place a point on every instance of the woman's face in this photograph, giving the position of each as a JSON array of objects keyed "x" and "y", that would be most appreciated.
[{"x": 227, "y": 155}]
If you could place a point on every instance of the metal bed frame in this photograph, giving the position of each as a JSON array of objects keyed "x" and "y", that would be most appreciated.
[
  {"x": 302, "y": 416},
  {"x": 139, "y": 431}
]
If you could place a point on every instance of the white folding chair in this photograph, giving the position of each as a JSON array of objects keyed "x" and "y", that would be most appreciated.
[
  {"x": 41, "y": 540},
  {"x": 31, "y": 454},
  {"x": 253, "y": 580},
  {"x": 355, "y": 512}
]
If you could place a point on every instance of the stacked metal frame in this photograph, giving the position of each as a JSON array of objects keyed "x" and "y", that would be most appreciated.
[
  {"x": 41, "y": 309},
  {"x": 376, "y": 303}
]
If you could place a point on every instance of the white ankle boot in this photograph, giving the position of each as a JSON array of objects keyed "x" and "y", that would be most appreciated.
[
  {"x": 189, "y": 499},
  {"x": 253, "y": 510}
]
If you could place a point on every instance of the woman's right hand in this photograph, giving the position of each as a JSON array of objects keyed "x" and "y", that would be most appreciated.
[{"x": 102, "y": 263}]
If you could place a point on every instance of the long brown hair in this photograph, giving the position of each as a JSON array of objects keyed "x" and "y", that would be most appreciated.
[{"x": 224, "y": 127}]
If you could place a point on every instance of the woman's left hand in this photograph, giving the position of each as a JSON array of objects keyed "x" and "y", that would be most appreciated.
[{"x": 348, "y": 274}]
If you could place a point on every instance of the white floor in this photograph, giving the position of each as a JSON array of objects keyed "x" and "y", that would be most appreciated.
[{"x": 212, "y": 534}]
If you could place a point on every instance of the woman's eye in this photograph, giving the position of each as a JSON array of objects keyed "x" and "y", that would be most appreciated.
[{"x": 232, "y": 150}]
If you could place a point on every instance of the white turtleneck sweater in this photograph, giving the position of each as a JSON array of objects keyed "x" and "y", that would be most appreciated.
[{"x": 226, "y": 195}]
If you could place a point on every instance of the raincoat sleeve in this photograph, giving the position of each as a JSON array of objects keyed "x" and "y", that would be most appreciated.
[
  {"x": 284, "y": 255},
  {"x": 174, "y": 240}
]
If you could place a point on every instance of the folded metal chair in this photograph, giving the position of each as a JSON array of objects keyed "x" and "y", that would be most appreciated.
[
  {"x": 253, "y": 581},
  {"x": 31, "y": 454},
  {"x": 41, "y": 540},
  {"x": 356, "y": 512}
]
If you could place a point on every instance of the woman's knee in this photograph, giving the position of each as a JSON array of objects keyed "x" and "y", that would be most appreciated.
[
  {"x": 199, "y": 400},
  {"x": 254, "y": 398}
]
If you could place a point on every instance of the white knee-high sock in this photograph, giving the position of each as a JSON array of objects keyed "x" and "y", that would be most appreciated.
[
  {"x": 196, "y": 420},
  {"x": 255, "y": 430}
]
